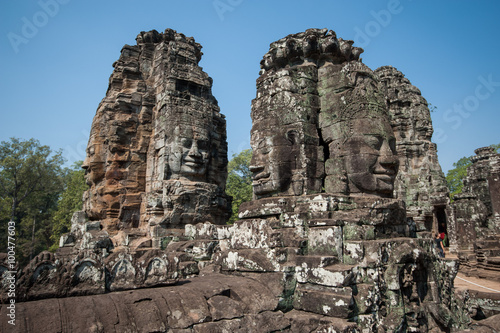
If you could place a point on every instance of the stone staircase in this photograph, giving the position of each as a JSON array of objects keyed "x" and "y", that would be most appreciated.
[{"x": 488, "y": 257}]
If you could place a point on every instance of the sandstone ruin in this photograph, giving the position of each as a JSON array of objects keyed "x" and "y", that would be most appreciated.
[
  {"x": 477, "y": 215},
  {"x": 325, "y": 246}
]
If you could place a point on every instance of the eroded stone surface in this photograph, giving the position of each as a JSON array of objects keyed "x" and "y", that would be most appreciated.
[
  {"x": 157, "y": 152},
  {"x": 204, "y": 304},
  {"x": 349, "y": 258},
  {"x": 346, "y": 248}
]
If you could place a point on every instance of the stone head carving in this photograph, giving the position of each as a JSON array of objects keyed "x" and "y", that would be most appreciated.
[
  {"x": 187, "y": 160},
  {"x": 369, "y": 157},
  {"x": 105, "y": 170},
  {"x": 94, "y": 163},
  {"x": 189, "y": 153},
  {"x": 355, "y": 125},
  {"x": 276, "y": 161},
  {"x": 411, "y": 110},
  {"x": 320, "y": 121}
]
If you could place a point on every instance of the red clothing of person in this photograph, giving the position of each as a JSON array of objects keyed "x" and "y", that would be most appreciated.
[{"x": 441, "y": 235}]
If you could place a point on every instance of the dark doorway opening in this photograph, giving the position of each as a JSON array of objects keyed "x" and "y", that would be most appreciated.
[{"x": 442, "y": 224}]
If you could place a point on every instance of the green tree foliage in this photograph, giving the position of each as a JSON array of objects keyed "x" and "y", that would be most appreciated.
[
  {"x": 69, "y": 202},
  {"x": 455, "y": 176},
  {"x": 30, "y": 184},
  {"x": 239, "y": 181}
]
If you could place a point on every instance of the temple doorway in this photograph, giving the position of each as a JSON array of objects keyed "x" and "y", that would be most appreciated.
[{"x": 441, "y": 226}]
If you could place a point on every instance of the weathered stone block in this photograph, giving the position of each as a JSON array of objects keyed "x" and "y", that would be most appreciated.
[
  {"x": 332, "y": 276},
  {"x": 353, "y": 252},
  {"x": 294, "y": 237},
  {"x": 366, "y": 297},
  {"x": 201, "y": 231},
  {"x": 195, "y": 250},
  {"x": 224, "y": 307},
  {"x": 333, "y": 302},
  {"x": 325, "y": 241},
  {"x": 358, "y": 232},
  {"x": 255, "y": 234},
  {"x": 264, "y": 207},
  {"x": 268, "y": 320},
  {"x": 252, "y": 260},
  {"x": 302, "y": 321}
]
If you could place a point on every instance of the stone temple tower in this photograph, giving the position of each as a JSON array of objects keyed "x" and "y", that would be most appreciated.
[
  {"x": 157, "y": 152},
  {"x": 420, "y": 182}
]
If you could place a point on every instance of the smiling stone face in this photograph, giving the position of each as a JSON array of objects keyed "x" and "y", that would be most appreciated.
[
  {"x": 189, "y": 153},
  {"x": 355, "y": 125},
  {"x": 94, "y": 163},
  {"x": 275, "y": 161},
  {"x": 264, "y": 180},
  {"x": 95, "y": 170},
  {"x": 369, "y": 157}
]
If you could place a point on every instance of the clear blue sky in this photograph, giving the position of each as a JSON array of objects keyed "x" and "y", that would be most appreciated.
[{"x": 56, "y": 58}]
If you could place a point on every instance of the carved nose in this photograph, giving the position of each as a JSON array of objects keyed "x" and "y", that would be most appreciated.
[
  {"x": 85, "y": 164},
  {"x": 389, "y": 162},
  {"x": 387, "y": 158},
  {"x": 194, "y": 150}
]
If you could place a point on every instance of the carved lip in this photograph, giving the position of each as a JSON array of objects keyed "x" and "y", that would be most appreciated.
[
  {"x": 382, "y": 172},
  {"x": 261, "y": 176},
  {"x": 388, "y": 178},
  {"x": 260, "y": 181},
  {"x": 193, "y": 164}
]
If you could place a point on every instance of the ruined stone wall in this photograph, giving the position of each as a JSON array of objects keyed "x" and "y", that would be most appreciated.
[
  {"x": 477, "y": 218},
  {"x": 482, "y": 180}
]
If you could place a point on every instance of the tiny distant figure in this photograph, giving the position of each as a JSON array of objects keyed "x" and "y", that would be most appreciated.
[
  {"x": 412, "y": 227},
  {"x": 443, "y": 234},
  {"x": 439, "y": 245}
]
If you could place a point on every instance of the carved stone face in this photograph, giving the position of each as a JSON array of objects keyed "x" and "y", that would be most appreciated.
[
  {"x": 369, "y": 157},
  {"x": 189, "y": 153},
  {"x": 94, "y": 163},
  {"x": 370, "y": 148},
  {"x": 356, "y": 125},
  {"x": 266, "y": 176},
  {"x": 95, "y": 170},
  {"x": 275, "y": 157}
]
